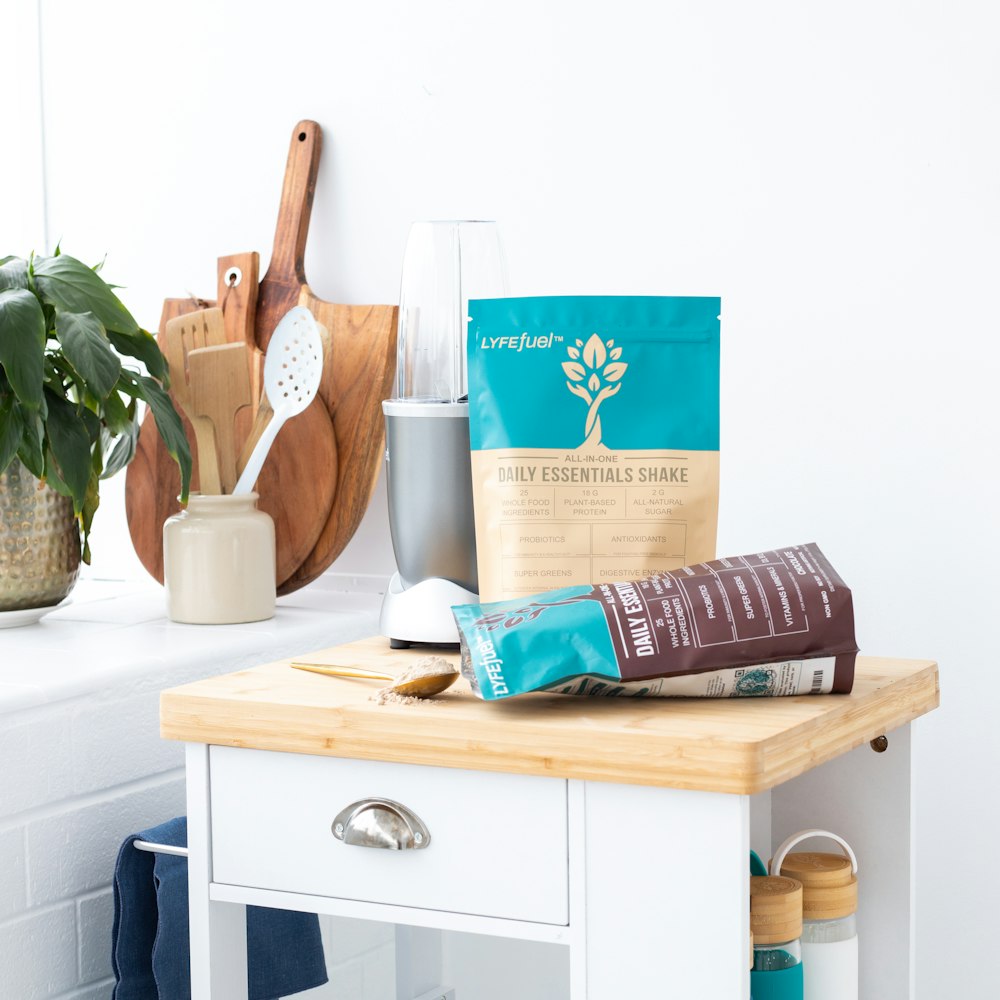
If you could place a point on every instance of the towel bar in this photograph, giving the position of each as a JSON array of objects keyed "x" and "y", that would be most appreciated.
[{"x": 145, "y": 845}]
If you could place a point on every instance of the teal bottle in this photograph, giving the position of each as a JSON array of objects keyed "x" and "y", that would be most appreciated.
[{"x": 776, "y": 923}]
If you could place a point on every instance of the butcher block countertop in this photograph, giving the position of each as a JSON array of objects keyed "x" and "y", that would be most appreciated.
[{"x": 740, "y": 746}]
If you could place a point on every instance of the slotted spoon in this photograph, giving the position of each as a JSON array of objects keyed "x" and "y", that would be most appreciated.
[{"x": 292, "y": 370}]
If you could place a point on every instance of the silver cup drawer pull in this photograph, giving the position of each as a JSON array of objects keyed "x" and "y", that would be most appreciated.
[{"x": 381, "y": 823}]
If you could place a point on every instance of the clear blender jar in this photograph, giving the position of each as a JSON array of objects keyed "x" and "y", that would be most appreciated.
[{"x": 428, "y": 467}]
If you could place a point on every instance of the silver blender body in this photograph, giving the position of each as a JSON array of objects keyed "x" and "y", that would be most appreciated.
[{"x": 429, "y": 479}]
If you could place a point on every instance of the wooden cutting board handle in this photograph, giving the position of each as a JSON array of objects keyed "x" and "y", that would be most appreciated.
[
  {"x": 285, "y": 276},
  {"x": 238, "y": 289}
]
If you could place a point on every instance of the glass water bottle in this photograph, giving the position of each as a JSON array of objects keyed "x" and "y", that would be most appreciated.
[
  {"x": 829, "y": 917},
  {"x": 776, "y": 923}
]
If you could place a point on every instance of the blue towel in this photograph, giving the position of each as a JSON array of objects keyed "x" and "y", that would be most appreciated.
[{"x": 150, "y": 949}]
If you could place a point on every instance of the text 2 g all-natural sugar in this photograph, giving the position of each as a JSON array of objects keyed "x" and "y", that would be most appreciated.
[{"x": 595, "y": 438}]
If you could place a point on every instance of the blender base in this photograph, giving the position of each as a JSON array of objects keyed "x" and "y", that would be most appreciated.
[{"x": 422, "y": 613}]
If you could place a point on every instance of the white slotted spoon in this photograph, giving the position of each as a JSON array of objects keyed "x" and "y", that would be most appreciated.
[{"x": 292, "y": 371}]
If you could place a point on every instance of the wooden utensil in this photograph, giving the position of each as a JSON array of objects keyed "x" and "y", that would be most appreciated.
[
  {"x": 178, "y": 337},
  {"x": 358, "y": 365},
  {"x": 305, "y": 450},
  {"x": 220, "y": 387}
]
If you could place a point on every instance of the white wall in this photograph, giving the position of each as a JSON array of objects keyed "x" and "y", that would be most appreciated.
[{"x": 829, "y": 169}]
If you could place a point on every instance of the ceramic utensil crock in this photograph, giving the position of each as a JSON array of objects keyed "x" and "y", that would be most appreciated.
[{"x": 219, "y": 561}]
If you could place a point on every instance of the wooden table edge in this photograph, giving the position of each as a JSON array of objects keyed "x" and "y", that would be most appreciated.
[{"x": 737, "y": 766}]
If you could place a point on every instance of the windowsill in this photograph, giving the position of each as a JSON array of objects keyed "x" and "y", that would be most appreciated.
[{"x": 115, "y": 636}]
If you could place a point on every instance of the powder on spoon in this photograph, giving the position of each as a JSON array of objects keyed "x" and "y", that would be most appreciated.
[{"x": 426, "y": 666}]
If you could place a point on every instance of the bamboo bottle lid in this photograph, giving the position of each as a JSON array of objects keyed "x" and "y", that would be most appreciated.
[
  {"x": 829, "y": 888},
  {"x": 775, "y": 909}
]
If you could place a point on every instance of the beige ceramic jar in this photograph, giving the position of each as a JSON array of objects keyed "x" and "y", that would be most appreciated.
[{"x": 219, "y": 562}]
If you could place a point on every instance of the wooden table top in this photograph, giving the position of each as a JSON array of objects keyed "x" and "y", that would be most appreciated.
[{"x": 740, "y": 746}]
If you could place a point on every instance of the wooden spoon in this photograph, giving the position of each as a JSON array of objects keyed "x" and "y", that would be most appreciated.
[
  {"x": 220, "y": 387},
  {"x": 424, "y": 678},
  {"x": 178, "y": 338}
]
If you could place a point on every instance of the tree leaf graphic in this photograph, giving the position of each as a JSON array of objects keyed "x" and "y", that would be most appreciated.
[
  {"x": 579, "y": 343},
  {"x": 615, "y": 370},
  {"x": 595, "y": 383},
  {"x": 573, "y": 353},
  {"x": 616, "y": 353},
  {"x": 574, "y": 370},
  {"x": 594, "y": 353}
]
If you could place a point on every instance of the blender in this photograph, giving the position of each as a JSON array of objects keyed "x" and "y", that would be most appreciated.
[{"x": 427, "y": 461}]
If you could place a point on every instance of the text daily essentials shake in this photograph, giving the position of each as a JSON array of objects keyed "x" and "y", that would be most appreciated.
[
  {"x": 768, "y": 623},
  {"x": 594, "y": 426}
]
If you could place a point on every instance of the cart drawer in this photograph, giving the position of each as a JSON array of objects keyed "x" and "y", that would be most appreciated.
[{"x": 483, "y": 843}]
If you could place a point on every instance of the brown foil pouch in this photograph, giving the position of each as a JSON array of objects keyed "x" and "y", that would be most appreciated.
[{"x": 764, "y": 624}]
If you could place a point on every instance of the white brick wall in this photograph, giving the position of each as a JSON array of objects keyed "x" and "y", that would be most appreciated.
[{"x": 82, "y": 766}]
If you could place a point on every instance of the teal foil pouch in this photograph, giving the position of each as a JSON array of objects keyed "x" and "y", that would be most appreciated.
[
  {"x": 764, "y": 624},
  {"x": 594, "y": 425}
]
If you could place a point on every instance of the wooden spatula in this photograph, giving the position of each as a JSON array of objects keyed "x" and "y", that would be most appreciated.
[
  {"x": 182, "y": 335},
  {"x": 219, "y": 382}
]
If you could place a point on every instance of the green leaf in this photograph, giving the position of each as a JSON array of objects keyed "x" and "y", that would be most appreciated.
[
  {"x": 22, "y": 343},
  {"x": 32, "y": 448},
  {"x": 90, "y": 504},
  {"x": 52, "y": 477},
  {"x": 118, "y": 417},
  {"x": 13, "y": 273},
  {"x": 10, "y": 429},
  {"x": 70, "y": 445},
  {"x": 71, "y": 285},
  {"x": 122, "y": 451},
  {"x": 86, "y": 346},
  {"x": 142, "y": 346},
  {"x": 170, "y": 427}
]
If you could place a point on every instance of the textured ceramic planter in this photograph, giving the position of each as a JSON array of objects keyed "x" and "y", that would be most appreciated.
[{"x": 39, "y": 542}]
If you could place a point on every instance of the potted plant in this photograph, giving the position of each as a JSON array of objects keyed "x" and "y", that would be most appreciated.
[{"x": 70, "y": 384}]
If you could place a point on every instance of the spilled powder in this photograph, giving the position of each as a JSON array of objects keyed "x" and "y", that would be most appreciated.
[{"x": 386, "y": 696}]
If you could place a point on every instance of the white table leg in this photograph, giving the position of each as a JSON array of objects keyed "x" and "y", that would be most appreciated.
[
  {"x": 418, "y": 962},
  {"x": 667, "y": 894},
  {"x": 218, "y": 930},
  {"x": 865, "y": 797}
]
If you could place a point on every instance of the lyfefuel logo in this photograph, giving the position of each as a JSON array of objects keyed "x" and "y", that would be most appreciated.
[
  {"x": 492, "y": 664},
  {"x": 525, "y": 342}
]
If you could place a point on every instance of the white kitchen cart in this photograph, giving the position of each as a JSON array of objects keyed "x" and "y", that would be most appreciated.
[{"x": 620, "y": 828}]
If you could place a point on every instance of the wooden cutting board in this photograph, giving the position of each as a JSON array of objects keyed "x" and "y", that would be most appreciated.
[
  {"x": 305, "y": 451},
  {"x": 359, "y": 364},
  {"x": 317, "y": 492}
]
